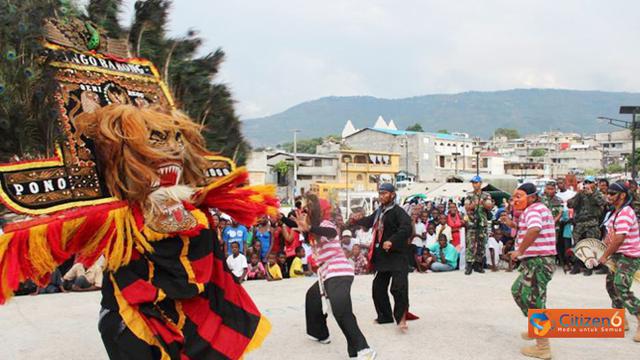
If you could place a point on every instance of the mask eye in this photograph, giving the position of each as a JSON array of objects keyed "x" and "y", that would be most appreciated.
[{"x": 158, "y": 136}]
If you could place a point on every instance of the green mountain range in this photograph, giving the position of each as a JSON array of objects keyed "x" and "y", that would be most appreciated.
[{"x": 475, "y": 112}]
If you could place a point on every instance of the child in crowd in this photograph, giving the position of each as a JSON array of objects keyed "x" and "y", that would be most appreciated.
[
  {"x": 346, "y": 240},
  {"x": 284, "y": 266},
  {"x": 273, "y": 269},
  {"x": 506, "y": 261},
  {"x": 360, "y": 263},
  {"x": 430, "y": 237},
  {"x": 237, "y": 262},
  {"x": 256, "y": 248},
  {"x": 296, "y": 266},
  {"x": 494, "y": 250},
  {"x": 424, "y": 262},
  {"x": 256, "y": 270},
  {"x": 419, "y": 234},
  {"x": 445, "y": 255}
]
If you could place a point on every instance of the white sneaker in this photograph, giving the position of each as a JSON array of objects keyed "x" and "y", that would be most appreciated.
[
  {"x": 367, "y": 354},
  {"x": 325, "y": 341}
]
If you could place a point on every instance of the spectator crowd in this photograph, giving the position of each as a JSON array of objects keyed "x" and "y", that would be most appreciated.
[{"x": 469, "y": 235}]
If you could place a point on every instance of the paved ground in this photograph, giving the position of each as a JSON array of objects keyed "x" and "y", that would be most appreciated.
[{"x": 462, "y": 318}]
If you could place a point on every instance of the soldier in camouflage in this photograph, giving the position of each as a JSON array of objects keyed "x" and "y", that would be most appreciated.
[
  {"x": 635, "y": 196},
  {"x": 587, "y": 205},
  {"x": 477, "y": 221},
  {"x": 555, "y": 204}
]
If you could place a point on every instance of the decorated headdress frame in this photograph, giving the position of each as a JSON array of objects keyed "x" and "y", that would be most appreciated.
[{"x": 90, "y": 71}]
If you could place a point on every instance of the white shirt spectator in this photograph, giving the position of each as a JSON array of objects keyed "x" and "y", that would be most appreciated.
[
  {"x": 420, "y": 230},
  {"x": 364, "y": 237},
  {"x": 307, "y": 252},
  {"x": 444, "y": 229},
  {"x": 496, "y": 245},
  {"x": 431, "y": 239},
  {"x": 237, "y": 264}
]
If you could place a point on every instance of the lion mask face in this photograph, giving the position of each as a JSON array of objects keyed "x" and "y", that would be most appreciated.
[{"x": 142, "y": 150}]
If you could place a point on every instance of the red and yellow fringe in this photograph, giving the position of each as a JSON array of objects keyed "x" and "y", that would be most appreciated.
[{"x": 243, "y": 203}]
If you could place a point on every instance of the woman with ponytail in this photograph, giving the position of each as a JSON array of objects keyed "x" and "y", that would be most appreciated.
[{"x": 335, "y": 277}]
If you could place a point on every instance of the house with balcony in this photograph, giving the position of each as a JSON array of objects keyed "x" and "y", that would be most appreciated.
[
  {"x": 363, "y": 170},
  {"x": 310, "y": 169}
]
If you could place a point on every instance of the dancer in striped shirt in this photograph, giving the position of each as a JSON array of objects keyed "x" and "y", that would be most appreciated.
[
  {"x": 335, "y": 274},
  {"x": 536, "y": 250},
  {"x": 623, "y": 246}
]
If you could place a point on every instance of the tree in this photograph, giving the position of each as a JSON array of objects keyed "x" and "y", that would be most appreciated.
[
  {"x": 508, "y": 133},
  {"x": 615, "y": 168},
  {"x": 27, "y": 109},
  {"x": 415, "y": 127},
  {"x": 443, "y": 131},
  {"x": 104, "y": 13},
  {"x": 308, "y": 146},
  {"x": 189, "y": 77},
  {"x": 538, "y": 152}
]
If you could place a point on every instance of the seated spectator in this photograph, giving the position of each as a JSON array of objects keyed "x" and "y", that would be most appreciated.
[
  {"x": 79, "y": 279},
  {"x": 284, "y": 266},
  {"x": 360, "y": 262},
  {"x": 255, "y": 269},
  {"x": 256, "y": 248},
  {"x": 237, "y": 262},
  {"x": 506, "y": 262},
  {"x": 308, "y": 255},
  {"x": 443, "y": 228},
  {"x": 430, "y": 237},
  {"x": 363, "y": 238},
  {"x": 346, "y": 240},
  {"x": 419, "y": 235},
  {"x": 273, "y": 269},
  {"x": 296, "y": 269},
  {"x": 494, "y": 250},
  {"x": 424, "y": 262},
  {"x": 54, "y": 286},
  {"x": 446, "y": 256}
]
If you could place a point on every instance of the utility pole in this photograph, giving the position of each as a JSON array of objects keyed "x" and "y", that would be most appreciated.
[
  {"x": 634, "y": 111},
  {"x": 295, "y": 163}
]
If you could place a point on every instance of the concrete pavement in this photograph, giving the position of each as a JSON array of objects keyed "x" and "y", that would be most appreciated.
[{"x": 462, "y": 317}]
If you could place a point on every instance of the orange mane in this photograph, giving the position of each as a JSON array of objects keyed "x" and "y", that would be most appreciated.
[{"x": 121, "y": 137}]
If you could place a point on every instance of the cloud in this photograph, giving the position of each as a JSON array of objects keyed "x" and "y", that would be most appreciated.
[{"x": 282, "y": 52}]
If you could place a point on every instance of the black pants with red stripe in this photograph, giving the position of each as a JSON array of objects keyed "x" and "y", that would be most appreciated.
[
  {"x": 339, "y": 292},
  {"x": 120, "y": 342}
]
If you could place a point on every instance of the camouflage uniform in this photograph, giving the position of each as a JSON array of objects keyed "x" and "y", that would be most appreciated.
[
  {"x": 635, "y": 203},
  {"x": 587, "y": 214},
  {"x": 530, "y": 288},
  {"x": 476, "y": 234},
  {"x": 619, "y": 284},
  {"x": 554, "y": 204}
]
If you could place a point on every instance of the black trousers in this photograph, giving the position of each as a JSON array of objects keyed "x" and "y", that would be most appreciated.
[
  {"x": 121, "y": 343},
  {"x": 400, "y": 291},
  {"x": 339, "y": 292}
]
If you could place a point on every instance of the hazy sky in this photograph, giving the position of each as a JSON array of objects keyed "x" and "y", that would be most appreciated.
[{"x": 283, "y": 52}]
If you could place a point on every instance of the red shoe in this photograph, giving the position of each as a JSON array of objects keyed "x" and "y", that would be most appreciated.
[{"x": 411, "y": 316}]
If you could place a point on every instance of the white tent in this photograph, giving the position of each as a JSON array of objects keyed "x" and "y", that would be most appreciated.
[
  {"x": 380, "y": 123},
  {"x": 392, "y": 125},
  {"x": 348, "y": 129}
]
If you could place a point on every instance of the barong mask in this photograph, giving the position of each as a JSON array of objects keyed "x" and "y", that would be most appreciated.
[{"x": 148, "y": 156}]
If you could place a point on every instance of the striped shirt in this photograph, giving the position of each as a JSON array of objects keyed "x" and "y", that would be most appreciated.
[
  {"x": 331, "y": 258},
  {"x": 625, "y": 222},
  {"x": 537, "y": 216}
]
